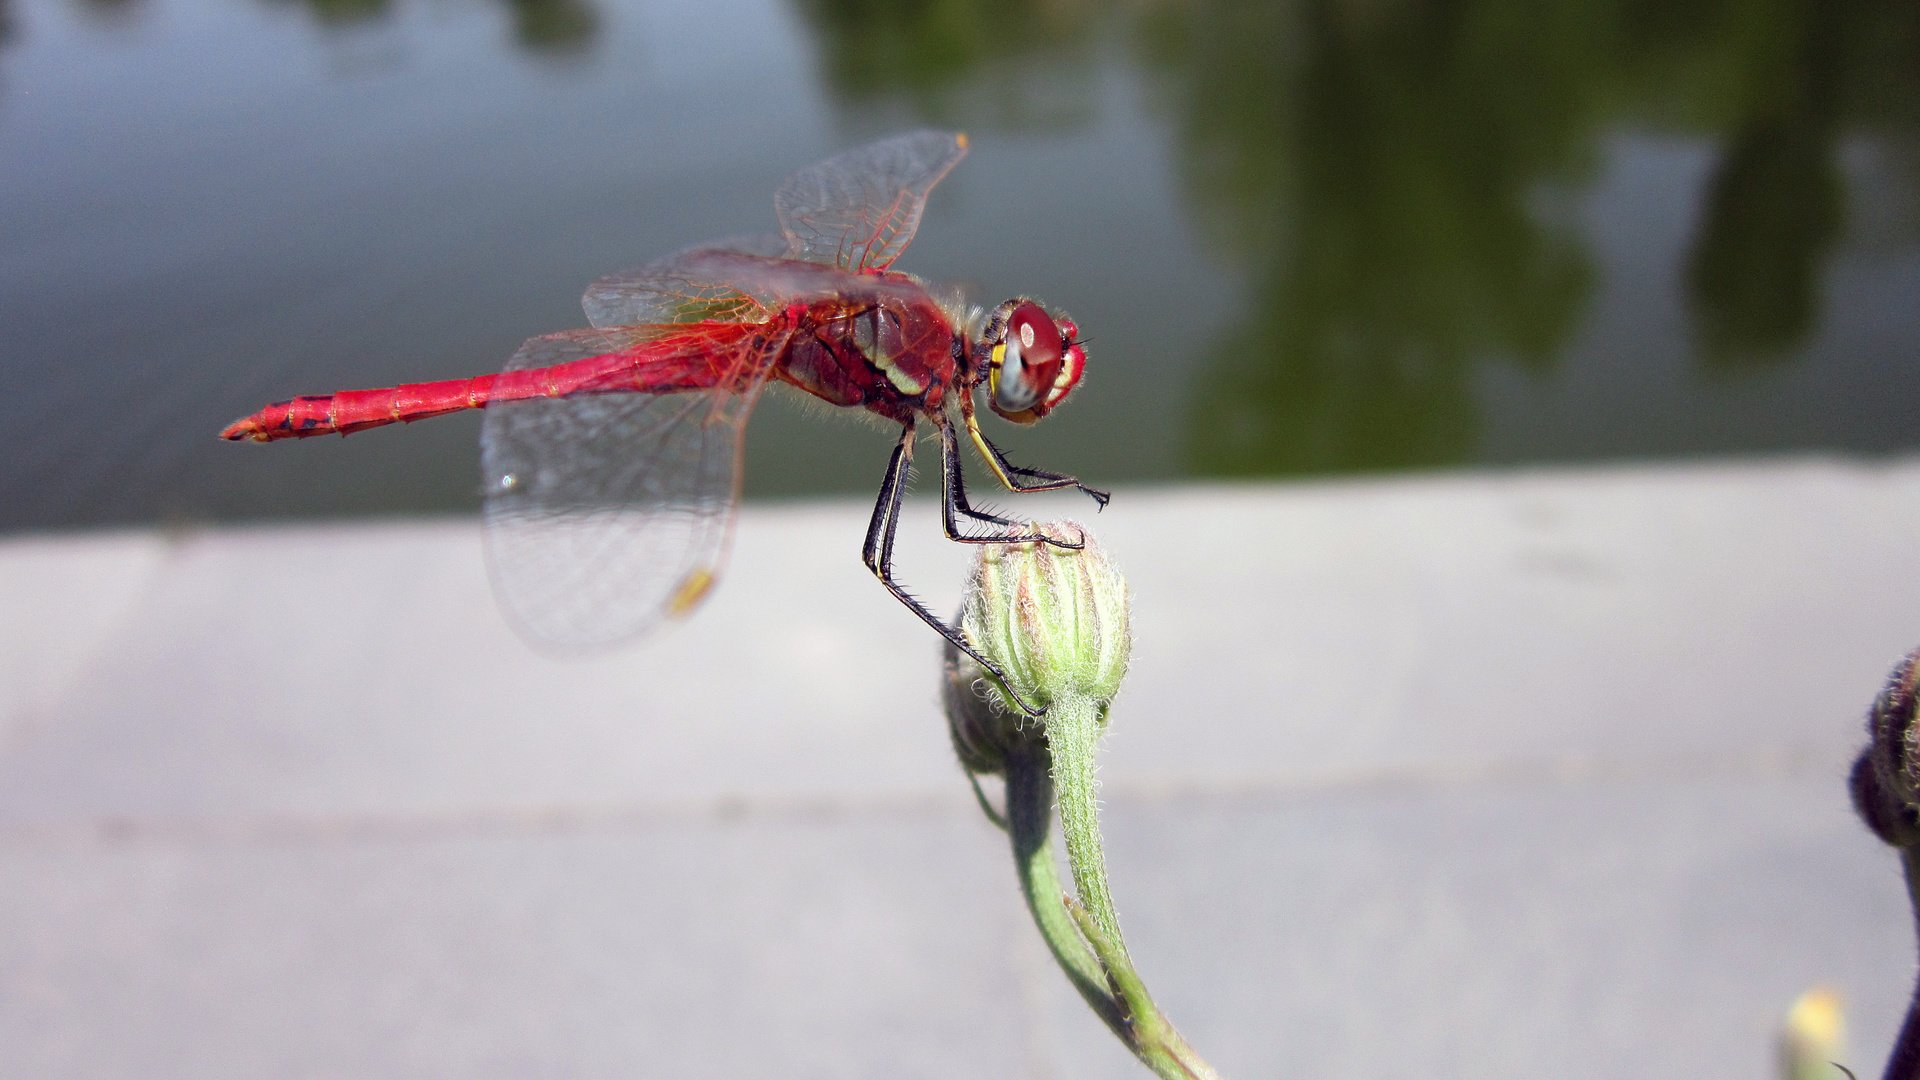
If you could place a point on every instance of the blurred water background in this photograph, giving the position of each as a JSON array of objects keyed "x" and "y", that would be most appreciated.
[{"x": 1304, "y": 238}]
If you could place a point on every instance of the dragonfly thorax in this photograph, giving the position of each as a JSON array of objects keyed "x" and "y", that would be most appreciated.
[{"x": 890, "y": 354}]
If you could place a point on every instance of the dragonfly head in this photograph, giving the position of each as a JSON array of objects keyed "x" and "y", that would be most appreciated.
[{"x": 1033, "y": 360}]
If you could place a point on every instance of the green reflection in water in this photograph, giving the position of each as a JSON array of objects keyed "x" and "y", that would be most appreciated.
[
  {"x": 1399, "y": 205},
  {"x": 1397, "y": 181},
  {"x": 931, "y": 51},
  {"x": 1796, "y": 75},
  {"x": 1773, "y": 213},
  {"x": 547, "y": 26},
  {"x": 347, "y": 12},
  {"x": 556, "y": 26}
]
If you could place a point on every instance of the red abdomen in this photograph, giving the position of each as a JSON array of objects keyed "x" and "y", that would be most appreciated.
[{"x": 658, "y": 360}]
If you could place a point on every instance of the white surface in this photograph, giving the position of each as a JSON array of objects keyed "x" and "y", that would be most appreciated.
[{"x": 1462, "y": 775}]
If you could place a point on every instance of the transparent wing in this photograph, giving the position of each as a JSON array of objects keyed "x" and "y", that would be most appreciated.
[
  {"x": 858, "y": 211},
  {"x": 670, "y": 290},
  {"x": 736, "y": 280},
  {"x": 607, "y": 513}
]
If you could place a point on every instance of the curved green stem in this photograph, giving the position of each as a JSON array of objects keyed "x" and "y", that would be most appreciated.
[
  {"x": 1029, "y": 824},
  {"x": 1084, "y": 934},
  {"x": 1151, "y": 1036},
  {"x": 1073, "y": 731}
]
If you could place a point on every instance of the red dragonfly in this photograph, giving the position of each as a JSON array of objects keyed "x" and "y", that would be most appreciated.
[{"x": 611, "y": 456}]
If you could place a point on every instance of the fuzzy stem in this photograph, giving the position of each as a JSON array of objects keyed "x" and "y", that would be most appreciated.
[
  {"x": 1073, "y": 730},
  {"x": 1029, "y": 822},
  {"x": 1073, "y": 734},
  {"x": 1151, "y": 1036}
]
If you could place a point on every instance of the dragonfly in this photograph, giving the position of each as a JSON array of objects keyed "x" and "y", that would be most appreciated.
[{"x": 612, "y": 455}]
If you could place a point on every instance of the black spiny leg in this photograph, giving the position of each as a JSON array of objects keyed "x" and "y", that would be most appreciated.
[
  {"x": 877, "y": 553},
  {"x": 955, "y": 502},
  {"x": 1024, "y": 479}
]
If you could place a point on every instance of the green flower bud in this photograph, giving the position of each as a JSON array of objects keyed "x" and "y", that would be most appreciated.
[{"x": 1054, "y": 619}]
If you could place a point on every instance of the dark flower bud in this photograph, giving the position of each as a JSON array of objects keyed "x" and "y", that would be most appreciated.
[
  {"x": 1886, "y": 779},
  {"x": 984, "y": 729},
  {"x": 1891, "y": 820}
]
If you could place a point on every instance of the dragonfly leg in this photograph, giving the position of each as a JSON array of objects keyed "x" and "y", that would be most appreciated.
[
  {"x": 1018, "y": 478},
  {"x": 1025, "y": 479},
  {"x": 877, "y": 553},
  {"x": 955, "y": 502}
]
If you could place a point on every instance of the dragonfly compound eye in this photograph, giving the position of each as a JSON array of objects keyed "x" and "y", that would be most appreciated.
[{"x": 1034, "y": 362}]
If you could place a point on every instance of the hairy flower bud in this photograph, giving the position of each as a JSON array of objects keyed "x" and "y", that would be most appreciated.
[
  {"x": 1055, "y": 619},
  {"x": 984, "y": 728},
  {"x": 1886, "y": 779}
]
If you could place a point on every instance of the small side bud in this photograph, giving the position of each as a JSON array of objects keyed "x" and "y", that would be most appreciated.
[
  {"x": 984, "y": 729},
  {"x": 1055, "y": 619},
  {"x": 1885, "y": 782}
]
